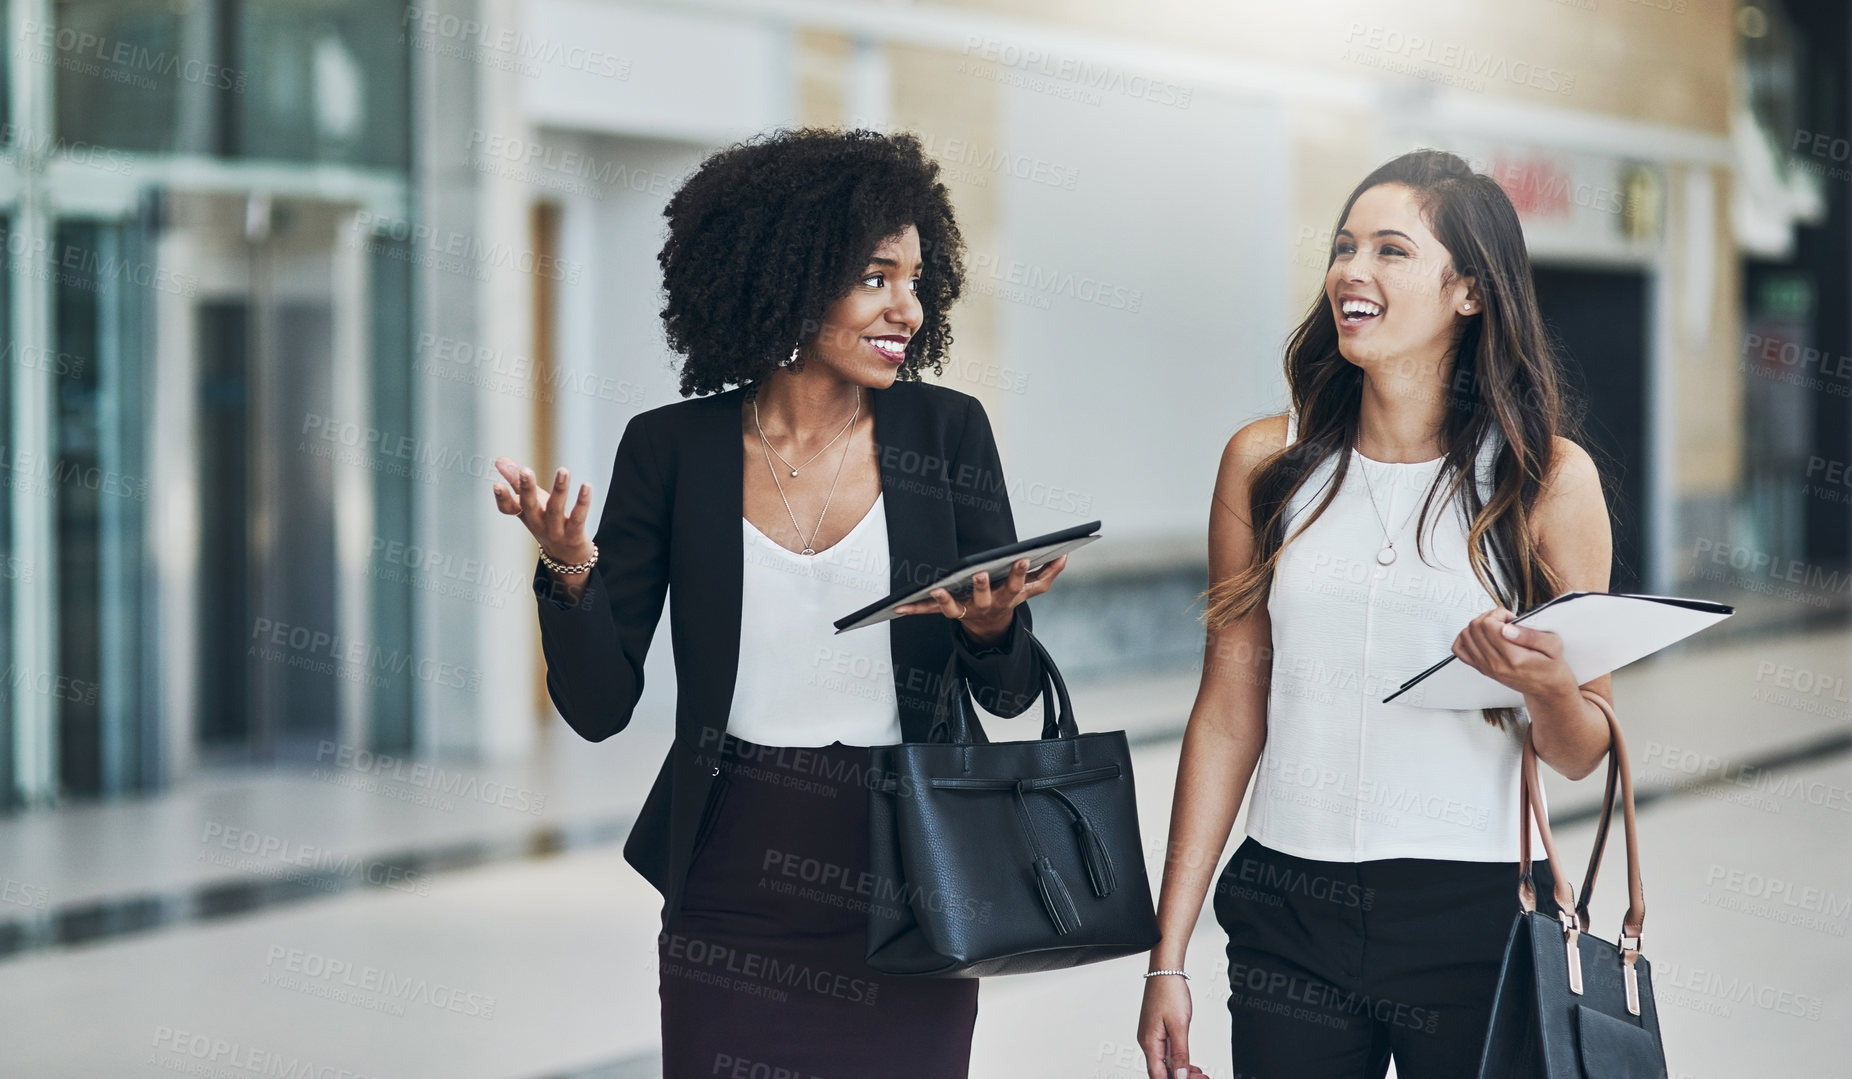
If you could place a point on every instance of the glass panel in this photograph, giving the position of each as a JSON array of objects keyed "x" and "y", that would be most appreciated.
[
  {"x": 131, "y": 74},
  {"x": 131, "y": 659},
  {"x": 391, "y": 593},
  {"x": 225, "y": 617},
  {"x": 79, "y": 508},
  {"x": 13, "y": 563},
  {"x": 1778, "y": 417},
  {"x": 331, "y": 85},
  {"x": 101, "y": 505},
  {"x": 6, "y": 129},
  {"x": 300, "y": 697},
  {"x": 292, "y": 80},
  {"x": 274, "y": 656}
]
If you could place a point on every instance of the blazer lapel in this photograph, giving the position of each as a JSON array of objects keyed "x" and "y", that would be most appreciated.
[
  {"x": 920, "y": 547},
  {"x": 916, "y": 553},
  {"x": 710, "y": 579}
]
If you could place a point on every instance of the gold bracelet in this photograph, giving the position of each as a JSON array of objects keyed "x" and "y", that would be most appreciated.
[{"x": 561, "y": 568}]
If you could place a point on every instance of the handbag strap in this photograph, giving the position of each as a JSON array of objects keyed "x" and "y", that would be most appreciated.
[
  {"x": 1531, "y": 808},
  {"x": 952, "y": 722},
  {"x": 1601, "y": 840},
  {"x": 1635, "y": 917},
  {"x": 959, "y": 727}
]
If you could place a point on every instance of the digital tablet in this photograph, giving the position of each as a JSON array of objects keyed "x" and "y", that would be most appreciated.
[{"x": 1040, "y": 551}]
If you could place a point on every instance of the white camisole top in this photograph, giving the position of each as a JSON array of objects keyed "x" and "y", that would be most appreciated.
[
  {"x": 1343, "y": 776},
  {"x": 799, "y": 683}
]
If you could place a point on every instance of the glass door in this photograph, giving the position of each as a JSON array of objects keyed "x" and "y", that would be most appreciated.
[{"x": 272, "y": 344}]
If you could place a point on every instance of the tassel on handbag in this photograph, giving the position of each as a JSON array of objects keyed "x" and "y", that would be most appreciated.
[
  {"x": 1099, "y": 860},
  {"x": 1055, "y": 897}
]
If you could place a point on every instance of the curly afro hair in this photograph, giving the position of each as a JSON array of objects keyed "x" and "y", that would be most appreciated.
[{"x": 769, "y": 232}]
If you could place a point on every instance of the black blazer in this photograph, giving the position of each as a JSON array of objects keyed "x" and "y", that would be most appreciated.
[{"x": 671, "y": 520}]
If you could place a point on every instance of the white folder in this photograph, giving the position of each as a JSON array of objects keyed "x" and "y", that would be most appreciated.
[{"x": 1601, "y": 631}]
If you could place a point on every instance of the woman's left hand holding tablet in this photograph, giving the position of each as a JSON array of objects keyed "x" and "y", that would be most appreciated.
[{"x": 988, "y": 612}]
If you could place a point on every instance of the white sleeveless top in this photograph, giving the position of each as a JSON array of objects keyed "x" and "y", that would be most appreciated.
[
  {"x": 1343, "y": 776},
  {"x": 799, "y": 683}
]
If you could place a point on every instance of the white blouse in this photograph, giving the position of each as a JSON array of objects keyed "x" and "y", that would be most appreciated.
[
  {"x": 800, "y": 683},
  {"x": 1343, "y": 776}
]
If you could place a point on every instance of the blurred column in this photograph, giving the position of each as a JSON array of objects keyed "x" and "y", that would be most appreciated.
[
  {"x": 870, "y": 86},
  {"x": 32, "y": 439},
  {"x": 453, "y": 97}
]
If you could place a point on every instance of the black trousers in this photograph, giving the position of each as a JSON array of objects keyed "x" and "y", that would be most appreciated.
[{"x": 1335, "y": 966}]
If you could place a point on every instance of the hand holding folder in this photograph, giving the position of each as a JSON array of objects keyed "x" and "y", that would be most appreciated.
[{"x": 1601, "y": 632}]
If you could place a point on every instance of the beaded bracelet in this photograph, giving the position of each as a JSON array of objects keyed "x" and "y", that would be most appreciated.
[
  {"x": 560, "y": 567},
  {"x": 1155, "y": 973}
]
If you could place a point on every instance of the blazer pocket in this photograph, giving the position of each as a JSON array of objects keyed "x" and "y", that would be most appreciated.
[{"x": 710, "y": 812}]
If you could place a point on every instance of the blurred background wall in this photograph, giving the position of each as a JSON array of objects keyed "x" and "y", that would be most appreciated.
[{"x": 285, "y": 275}]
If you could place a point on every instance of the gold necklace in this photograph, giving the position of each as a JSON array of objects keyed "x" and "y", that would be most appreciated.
[
  {"x": 809, "y": 544},
  {"x": 826, "y": 445}
]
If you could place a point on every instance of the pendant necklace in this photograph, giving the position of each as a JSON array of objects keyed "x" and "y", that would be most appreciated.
[
  {"x": 809, "y": 544},
  {"x": 826, "y": 445},
  {"x": 1386, "y": 555}
]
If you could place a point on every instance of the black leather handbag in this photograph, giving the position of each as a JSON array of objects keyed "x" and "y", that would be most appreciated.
[
  {"x": 1570, "y": 1005},
  {"x": 1005, "y": 857}
]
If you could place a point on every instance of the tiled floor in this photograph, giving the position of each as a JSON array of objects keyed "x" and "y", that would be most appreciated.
[{"x": 523, "y": 947}]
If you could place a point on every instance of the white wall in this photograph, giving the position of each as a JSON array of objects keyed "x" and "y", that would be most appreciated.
[
  {"x": 672, "y": 75},
  {"x": 1179, "y": 211}
]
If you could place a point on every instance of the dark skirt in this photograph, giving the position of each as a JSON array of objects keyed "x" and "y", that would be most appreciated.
[{"x": 763, "y": 969}]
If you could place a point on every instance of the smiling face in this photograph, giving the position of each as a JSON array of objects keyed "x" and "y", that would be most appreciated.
[
  {"x": 865, "y": 332},
  {"x": 1390, "y": 283}
]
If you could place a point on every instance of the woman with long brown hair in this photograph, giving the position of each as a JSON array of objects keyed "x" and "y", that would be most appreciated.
[{"x": 1421, "y": 489}]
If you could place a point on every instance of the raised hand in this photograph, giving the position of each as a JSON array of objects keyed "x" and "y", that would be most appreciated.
[{"x": 560, "y": 534}]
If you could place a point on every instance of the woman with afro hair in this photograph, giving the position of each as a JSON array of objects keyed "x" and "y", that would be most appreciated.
[{"x": 808, "y": 278}]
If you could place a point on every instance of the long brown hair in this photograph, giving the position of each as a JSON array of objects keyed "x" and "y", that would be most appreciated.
[{"x": 1503, "y": 374}]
